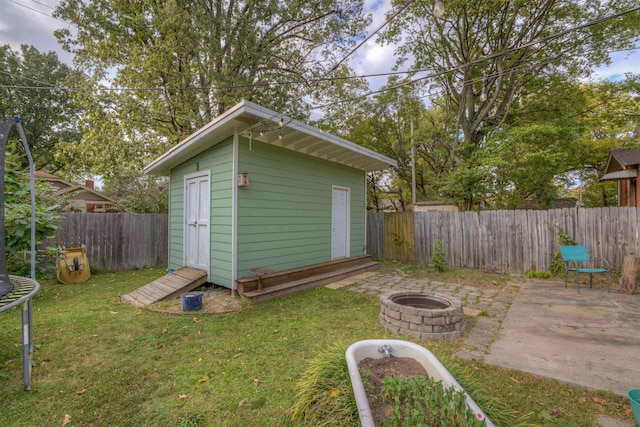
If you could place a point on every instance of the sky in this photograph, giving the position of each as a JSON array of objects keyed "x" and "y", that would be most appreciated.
[{"x": 30, "y": 22}]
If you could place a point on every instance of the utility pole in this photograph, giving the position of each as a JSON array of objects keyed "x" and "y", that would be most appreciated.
[{"x": 413, "y": 169}]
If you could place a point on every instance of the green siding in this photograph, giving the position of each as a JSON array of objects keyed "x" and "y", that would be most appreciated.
[
  {"x": 218, "y": 160},
  {"x": 284, "y": 214}
]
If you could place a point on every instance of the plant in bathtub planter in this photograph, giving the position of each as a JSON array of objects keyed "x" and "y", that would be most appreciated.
[
  {"x": 423, "y": 401},
  {"x": 401, "y": 394},
  {"x": 434, "y": 395}
]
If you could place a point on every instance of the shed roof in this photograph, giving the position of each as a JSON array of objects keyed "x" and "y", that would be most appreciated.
[
  {"x": 622, "y": 174},
  {"x": 297, "y": 136},
  {"x": 620, "y": 158}
]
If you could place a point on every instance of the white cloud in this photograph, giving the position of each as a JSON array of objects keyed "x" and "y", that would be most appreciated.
[
  {"x": 373, "y": 57},
  {"x": 621, "y": 63},
  {"x": 23, "y": 25}
]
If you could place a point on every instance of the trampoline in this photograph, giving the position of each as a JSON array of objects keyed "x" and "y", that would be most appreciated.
[{"x": 17, "y": 290}]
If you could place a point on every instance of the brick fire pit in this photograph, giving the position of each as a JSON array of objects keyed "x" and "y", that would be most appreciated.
[{"x": 422, "y": 316}]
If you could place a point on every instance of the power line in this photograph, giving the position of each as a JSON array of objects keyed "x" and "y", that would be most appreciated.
[
  {"x": 39, "y": 11},
  {"x": 433, "y": 74},
  {"x": 45, "y": 5},
  {"x": 380, "y": 27},
  {"x": 487, "y": 57},
  {"x": 200, "y": 88},
  {"x": 49, "y": 86}
]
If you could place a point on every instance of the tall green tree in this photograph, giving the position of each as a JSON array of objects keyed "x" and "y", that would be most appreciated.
[
  {"x": 530, "y": 157},
  {"x": 179, "y": 63},
  {"x": 483, "y": 58},
  {"x": 527, "y": 163},
  {"x": 561, "y": 139},
  {"x": 611, "y": 119},
  {"x": 137, "y": 193},
  {"x": 31, "y": 86},
  {"x": 384, "y": 124}
]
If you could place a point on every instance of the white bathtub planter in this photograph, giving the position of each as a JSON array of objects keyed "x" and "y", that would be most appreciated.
[{"x": 370, "y": 349}]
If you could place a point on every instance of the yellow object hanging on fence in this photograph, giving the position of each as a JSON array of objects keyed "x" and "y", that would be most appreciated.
[{"x": 72, "y": 265}]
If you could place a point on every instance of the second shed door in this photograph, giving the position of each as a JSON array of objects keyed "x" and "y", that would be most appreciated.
[{"x": 340, "y": 217}]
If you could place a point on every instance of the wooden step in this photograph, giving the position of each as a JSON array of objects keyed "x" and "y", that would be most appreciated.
[
  {"x": 249, "y": 284},
  {"x": 309, "y": 282},
  {"x": 167, "y": 287}
]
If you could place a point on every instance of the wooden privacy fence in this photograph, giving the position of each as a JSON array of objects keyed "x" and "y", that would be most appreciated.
[
  {"x": 117, "y": 241},
  {"x": 511, "y": 241}
]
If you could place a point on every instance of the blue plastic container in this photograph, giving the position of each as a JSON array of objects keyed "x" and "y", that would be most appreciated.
[
  {"x": 191, "y": 301},
  {"x": 634, "y": 397}
]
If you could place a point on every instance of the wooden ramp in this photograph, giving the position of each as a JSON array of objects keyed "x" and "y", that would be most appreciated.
[{"x": 167, "y": 287}]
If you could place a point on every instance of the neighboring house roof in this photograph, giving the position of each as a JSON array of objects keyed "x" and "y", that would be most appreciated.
[
  {"x": 89, "y": 194},
  {"x": 56, "y": 181},
  {"x": 621, "y": 158},
  {"x": 297, "y": 136},
  {"x": 46, "y": 175},
  {"x": 435, "y": 205},
  {"x": 81, "y": 191}
]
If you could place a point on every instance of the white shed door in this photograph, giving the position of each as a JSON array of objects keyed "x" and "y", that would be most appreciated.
[
  {"x": 197, "y": 197},
  {"x": 340, "y": 214}
]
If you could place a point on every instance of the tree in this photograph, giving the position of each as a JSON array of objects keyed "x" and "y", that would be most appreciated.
[
  {"x": 611, "y": 120},
  {"x": 17, "y": 210},
  {"x": 562, "y": 139},
  {"x": 361, "y": 120},
  {"x": 527, "y": 163},
  {"x": 485, "y": 57},
  {"x": 136, "y": 193},
  {"x": 31, "y": 87},
  {"x": 182, "y": 62}
]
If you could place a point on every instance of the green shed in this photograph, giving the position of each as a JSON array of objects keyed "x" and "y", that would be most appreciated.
[{"x": 254, "y": 189}]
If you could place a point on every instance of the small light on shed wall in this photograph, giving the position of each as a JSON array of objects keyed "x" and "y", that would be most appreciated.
[{"x": 243, "y": 179}]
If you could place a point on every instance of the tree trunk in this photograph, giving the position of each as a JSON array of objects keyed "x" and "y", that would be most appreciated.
[{"x": 629, "y": 277}]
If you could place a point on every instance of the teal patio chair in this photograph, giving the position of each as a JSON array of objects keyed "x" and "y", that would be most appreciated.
[{"x": 576, "y": 258}]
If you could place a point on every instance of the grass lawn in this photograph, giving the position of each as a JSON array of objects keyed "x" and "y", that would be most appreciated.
[{"x": 100, "y": 361}]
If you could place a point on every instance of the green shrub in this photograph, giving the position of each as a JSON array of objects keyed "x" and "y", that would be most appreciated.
[
  {"x": 538, "y": 274},
  {"x": 439, "y": 257},
  {"x": 564, "y": 239}
]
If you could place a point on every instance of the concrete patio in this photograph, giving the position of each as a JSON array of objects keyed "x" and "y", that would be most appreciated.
[{"x": 590, "y": 339}]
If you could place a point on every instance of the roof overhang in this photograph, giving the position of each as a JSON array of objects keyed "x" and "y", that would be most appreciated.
[
  {"x": 248, "y": 119},
  {"x": 618, "y": 175}
]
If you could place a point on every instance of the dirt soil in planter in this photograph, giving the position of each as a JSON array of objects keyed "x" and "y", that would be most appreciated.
[{"x": 373, "y": 371}]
